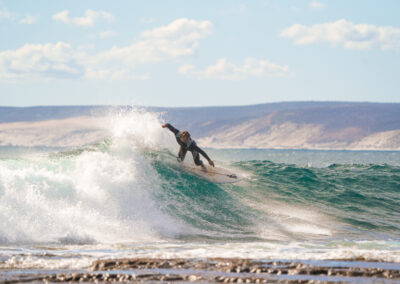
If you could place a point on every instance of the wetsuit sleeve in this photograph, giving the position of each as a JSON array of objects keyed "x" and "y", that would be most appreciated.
[
  {"x": 173, "y": 129},
  {"x": 198, "y": 149}
]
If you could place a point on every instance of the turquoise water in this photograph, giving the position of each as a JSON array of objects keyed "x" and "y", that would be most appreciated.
[{"x": 295, "y": 202}]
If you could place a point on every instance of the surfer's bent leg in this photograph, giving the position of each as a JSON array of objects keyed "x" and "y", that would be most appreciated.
[
  {"x": 181, "y": 154},
  {"x": 196, "y": 158}
]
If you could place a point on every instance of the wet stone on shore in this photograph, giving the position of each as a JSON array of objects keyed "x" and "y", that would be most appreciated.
[{"x": 223, "y": 270}]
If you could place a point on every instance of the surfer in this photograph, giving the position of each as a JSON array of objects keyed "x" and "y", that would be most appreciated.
[{"x": 187, "y": 144}]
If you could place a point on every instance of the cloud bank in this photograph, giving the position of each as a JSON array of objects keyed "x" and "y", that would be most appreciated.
[
  {"x": 345, "y": 33},
  {"x": 178, "y": 39},
  {"x": 225, "y": 70},
  {"x": 41, "y": 60}
]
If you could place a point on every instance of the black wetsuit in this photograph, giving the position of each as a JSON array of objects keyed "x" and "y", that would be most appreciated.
[{"x": 189, "y": 146}]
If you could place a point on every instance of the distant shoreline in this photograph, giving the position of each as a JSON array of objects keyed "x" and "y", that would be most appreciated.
[{"x": 289, "y": 125}]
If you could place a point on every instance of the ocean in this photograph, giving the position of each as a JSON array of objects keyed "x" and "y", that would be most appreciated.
[{"x": 62, "y": 208}]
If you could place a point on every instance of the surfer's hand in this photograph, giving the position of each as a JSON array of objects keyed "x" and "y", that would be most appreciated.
[
  {"x": 211, "y": 163},
  {"x": 164, "y": 125}
]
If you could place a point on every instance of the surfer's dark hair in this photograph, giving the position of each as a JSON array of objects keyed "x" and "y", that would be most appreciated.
[{"x": 184, "y": 134}]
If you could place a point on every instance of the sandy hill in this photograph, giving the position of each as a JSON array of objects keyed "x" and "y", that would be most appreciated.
[{"x": 295, "y": 125}]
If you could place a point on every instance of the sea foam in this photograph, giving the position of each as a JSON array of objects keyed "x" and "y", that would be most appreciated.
[{"x": 88, "y": 194}]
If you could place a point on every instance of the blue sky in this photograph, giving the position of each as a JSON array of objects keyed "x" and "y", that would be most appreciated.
[{"x": 198, "y": 53}]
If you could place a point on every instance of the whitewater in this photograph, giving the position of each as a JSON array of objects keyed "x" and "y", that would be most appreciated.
[{"x": 125, "y": 196}]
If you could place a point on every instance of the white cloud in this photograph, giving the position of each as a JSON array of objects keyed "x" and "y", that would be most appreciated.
[
  {"x": 29, "y": 19},
  {"x": 180, "y": 29},
  {"x": 106, "y": 34},
  {"x": 89, "y": 20},
  {"x": 346, "y": 34},
  {"x": 41, "y": 61},
  {"x": 316, "y": 5},
  {"x": 5, "y": 14},
  {"x": 57, "y": 61},
  {"x": 178, "y": 39},
  {"x": 225, "y": 70}
]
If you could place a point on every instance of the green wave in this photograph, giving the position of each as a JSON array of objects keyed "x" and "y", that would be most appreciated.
[
  {"x": 277, "y": 200},
  {"x": 348, "y": 200}
]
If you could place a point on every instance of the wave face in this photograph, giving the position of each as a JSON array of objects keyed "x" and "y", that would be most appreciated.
[
  {"x": 346, "y": 201},
  {"x": 129, "y": 188}
]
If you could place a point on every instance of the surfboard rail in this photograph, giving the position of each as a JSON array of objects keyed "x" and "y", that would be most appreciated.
[{"x": 213, "y": 174}]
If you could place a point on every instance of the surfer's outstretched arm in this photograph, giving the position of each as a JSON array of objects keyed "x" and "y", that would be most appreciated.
[
  {"x": 170, "y": 127},
  {"x": 204, "y": 154}
]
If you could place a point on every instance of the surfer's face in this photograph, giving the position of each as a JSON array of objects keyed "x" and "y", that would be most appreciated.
[{"x": 185, "y": 139}]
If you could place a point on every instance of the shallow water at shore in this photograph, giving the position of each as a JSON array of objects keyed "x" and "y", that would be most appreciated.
[
  {"x": 238, "y": 270},
  {"x": 200, "y": 262}
]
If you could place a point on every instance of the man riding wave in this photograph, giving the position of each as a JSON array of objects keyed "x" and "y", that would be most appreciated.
[{"x": 187, "y": 144}]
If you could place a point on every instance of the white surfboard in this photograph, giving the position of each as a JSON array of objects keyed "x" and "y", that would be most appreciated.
[{"x": 213, "y": 174}]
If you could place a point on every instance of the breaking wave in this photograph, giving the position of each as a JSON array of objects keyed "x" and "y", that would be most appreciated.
[{"x": 128, "y": 188}]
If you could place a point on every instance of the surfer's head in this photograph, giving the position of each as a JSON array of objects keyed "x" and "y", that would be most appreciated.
[{"x": 184, "y": 136}]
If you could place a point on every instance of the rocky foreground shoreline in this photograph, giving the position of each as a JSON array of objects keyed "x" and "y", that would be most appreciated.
[{"x": 215, "y": 270}]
